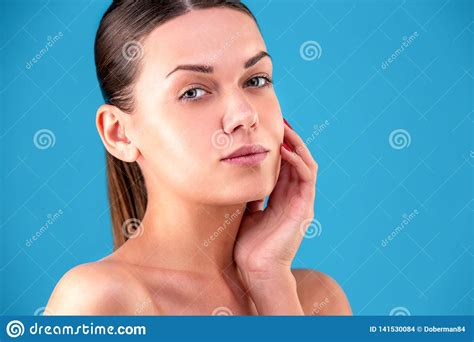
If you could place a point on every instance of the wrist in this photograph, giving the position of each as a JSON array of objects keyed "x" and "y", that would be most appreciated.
[
  {"x": 274, "y": 293},
  {"x": 269, "y": 278}
]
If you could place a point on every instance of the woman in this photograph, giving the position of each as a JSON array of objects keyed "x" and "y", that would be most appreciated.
[{"x": 193, "y": 132}]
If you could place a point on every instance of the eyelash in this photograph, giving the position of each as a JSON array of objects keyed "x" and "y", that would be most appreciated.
[{"x": 268, "y": 83}]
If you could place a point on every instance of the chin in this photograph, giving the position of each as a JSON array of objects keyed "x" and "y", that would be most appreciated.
[
  {"x": 239, "y": 193},
  {"x": 259, "y": 190}
]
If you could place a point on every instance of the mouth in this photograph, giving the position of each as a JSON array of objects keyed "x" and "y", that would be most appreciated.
[
  {"x": 248, "y": 159},
  {"x": 247, "y": 155}
]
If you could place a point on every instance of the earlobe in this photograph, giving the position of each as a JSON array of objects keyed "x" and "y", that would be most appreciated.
[{"x": 112, "y": 130}]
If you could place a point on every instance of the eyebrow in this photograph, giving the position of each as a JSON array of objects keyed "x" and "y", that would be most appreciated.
[{"x": 208, "y": 69}]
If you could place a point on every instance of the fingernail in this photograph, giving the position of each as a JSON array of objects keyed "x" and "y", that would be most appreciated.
[
  {"x": 287, "y": 123},
  {"x": 286, "y": 146}
]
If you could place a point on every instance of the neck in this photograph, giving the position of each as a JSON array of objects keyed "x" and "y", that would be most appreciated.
[{"x": 188, "y": 236}]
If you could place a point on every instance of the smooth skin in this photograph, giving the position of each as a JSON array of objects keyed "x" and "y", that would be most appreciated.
[{"x": 198, "y": 250}]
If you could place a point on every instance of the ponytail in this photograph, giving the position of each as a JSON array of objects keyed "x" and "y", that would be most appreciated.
[{"x": 127, "y": 197}]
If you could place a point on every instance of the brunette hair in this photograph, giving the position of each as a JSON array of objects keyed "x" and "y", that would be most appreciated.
[{"x": 118, "y": 49}]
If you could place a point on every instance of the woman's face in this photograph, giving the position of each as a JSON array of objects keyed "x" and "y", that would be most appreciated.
[{"x": 186, "y": 121}]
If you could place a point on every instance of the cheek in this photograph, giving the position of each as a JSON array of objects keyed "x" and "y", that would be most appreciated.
[
  {"x": 271, "y": 119},
  {"x": 180, "y": 150}
]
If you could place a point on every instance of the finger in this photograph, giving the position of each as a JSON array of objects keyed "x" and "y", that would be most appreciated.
[
  {"x": 299, "y": 147},
  {"x": 293, "y": 158},
  {"x": 281, "y": 187},
  {"x": 292, "y": 173}
]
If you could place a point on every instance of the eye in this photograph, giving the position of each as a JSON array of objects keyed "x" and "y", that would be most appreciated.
[
  {"x": 192, "y": 94},
  {"x": 259, "y": 81}
]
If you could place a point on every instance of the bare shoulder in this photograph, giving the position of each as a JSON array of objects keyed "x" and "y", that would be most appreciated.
[
  {"x": 320, "y": 294},
  {"x": 95, "y": 288}
]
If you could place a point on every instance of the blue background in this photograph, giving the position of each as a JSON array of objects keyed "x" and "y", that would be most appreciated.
[{"x": 365, "y": 186}]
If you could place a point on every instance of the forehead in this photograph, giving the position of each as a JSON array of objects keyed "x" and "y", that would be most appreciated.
[{"x": 220, "y": 37}]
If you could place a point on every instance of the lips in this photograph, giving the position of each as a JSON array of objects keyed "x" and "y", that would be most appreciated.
[{"x": 247, "y": 150}]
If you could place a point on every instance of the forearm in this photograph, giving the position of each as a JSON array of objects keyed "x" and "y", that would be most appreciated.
[{"x": 274, "y": 295}]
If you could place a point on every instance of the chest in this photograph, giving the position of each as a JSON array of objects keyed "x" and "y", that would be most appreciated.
[{"x": 173, "y": 296}]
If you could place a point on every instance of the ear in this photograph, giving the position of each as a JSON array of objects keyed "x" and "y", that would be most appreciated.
[{"x": 111, "y": 126}]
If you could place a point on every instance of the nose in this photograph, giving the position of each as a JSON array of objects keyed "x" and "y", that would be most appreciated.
[{"x": 240, "y": 114}]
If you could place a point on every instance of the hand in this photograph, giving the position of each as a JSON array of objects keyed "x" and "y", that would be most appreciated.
[{"x": 268, "y": 239}]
